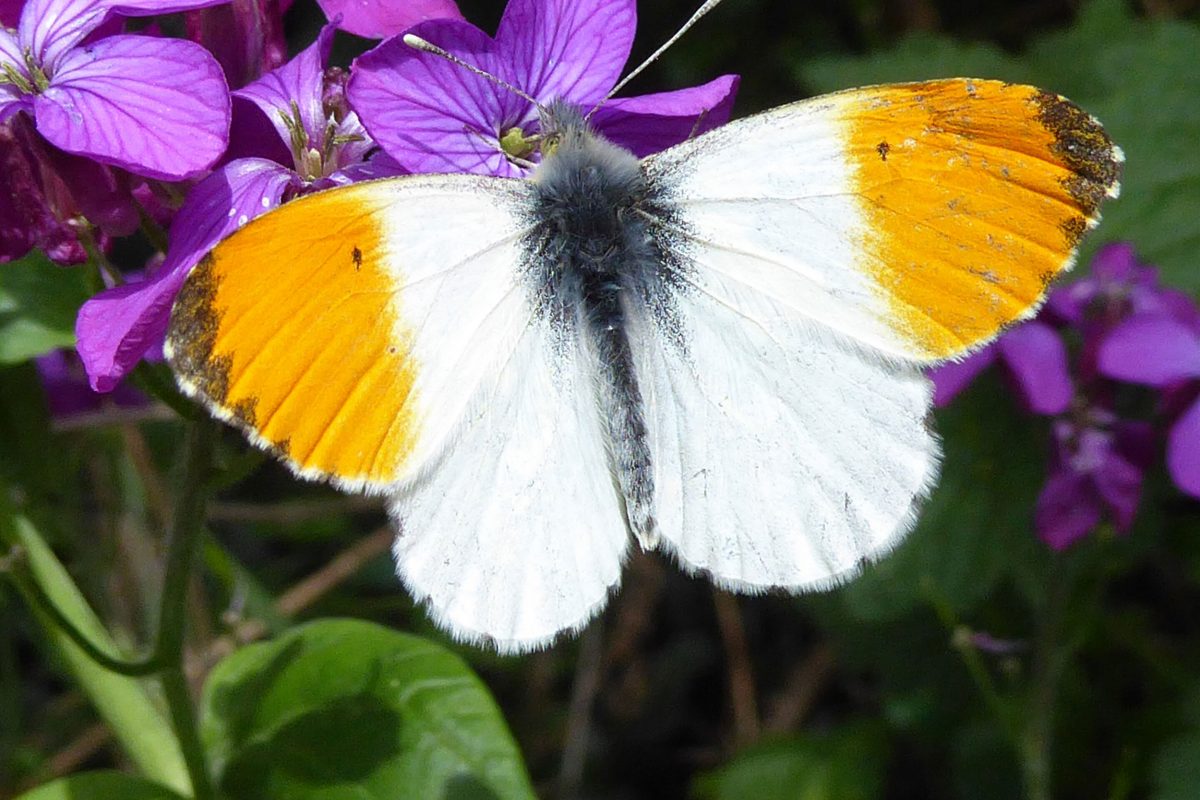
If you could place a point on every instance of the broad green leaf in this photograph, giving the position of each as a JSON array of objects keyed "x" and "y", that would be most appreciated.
[
  {"x": 1175, "y": 772},
  {"x": 1176, "y": 769},
  {"x": 38, "y": 304},
  {"x": 1137, "y": 76},
  {"x": 845, "y": 765},
  {"x": 348, "y": 709},
  {"x": 978, "y": 525},
  {"x": 920, "y": 57},
  {"x": 121, "y": 701},
  {"x": 101, "y": 786}
]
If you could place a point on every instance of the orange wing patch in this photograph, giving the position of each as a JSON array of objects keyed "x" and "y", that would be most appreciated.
[
  {"x": 291, "y": 333},
  {"x": 976, "y": 194}
]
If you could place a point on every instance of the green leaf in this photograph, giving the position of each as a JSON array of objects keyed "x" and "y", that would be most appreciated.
[
  {"x": 846, "y": 765},
  {"x": 1175, "y": 772},
  {"x": 1137, "y": 76},
  {"x": 347, "y": 709},
  {"x": 97, "y": 785},
  {"x": 122, "y": 701},
  {"x": 38, "y": 304}
]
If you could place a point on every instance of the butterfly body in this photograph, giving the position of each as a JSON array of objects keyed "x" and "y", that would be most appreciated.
[
  {"x": 591, "y": 253},
  {"x": 718, "y": 348}
]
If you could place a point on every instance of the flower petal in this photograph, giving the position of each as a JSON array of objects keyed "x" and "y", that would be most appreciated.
[
  {"x": 1120, "y": 484},
  {"x": 652, "y": 122},
  {"x": 1067, "y": 509},
  {"x": 245, "y": 36},
  {"x": 1116, "y": 262},
  {"x": 1037, "y": 357},
  {"x": 118, "y": 326},
  {"x": 379, "y": 19},
  {"x": 157, "y": 107},
  {"x": 433, "y": 116},
  {"x": 569, "y": 49},
  {"x": 11, "y": 100},
  {"x": 1183, "y": 451},
  {"x": 299, "y": 81},
  {"x": 952, "y": 377},
  {"x": 1151, "y": 350},
  {"x": 52, "y": 27},
  {"x": 10, "y": 13}
]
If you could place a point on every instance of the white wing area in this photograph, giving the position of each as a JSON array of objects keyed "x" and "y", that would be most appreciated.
[
  {"x": 769, "y": 202},
  {"x": 515, "y": 532},
  {"x": 785, "y": 455}
]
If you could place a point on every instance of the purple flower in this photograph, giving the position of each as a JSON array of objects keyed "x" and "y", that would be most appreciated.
[
  {"x": 378, "y": 19},
  {"x": 156, "y": 107},
  {"x": 1036, "y": 360},
  {"x": 1163, "y": 351},
  {"x": 304, "y": 110},
  {"x": 1095, "y": 474},
  {"x": 246, "y": 36},
  {"x": 433, "y": 116},
  {"x": 1117, "y": 285},
  {"x": 67, "y": 391}
]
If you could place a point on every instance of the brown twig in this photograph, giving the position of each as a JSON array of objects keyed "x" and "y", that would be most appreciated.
[
  {"x": 78, "y": 751},
  {"x": 634, "y": 611},
  {"x": 800, "y": 690},
  {"x": 307, "y": 591},
  {"x": 294, "y": 512},
  {"x": 742, "y": 694},
  {"x": 588, "y": 670}
]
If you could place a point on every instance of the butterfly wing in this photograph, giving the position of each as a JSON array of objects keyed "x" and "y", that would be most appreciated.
[
  {"x": 918, "y": 219},
  {"x": 516, "y": 533},
  {"x": 379, "y": 336},
  {"x": 821, "y": 253}
]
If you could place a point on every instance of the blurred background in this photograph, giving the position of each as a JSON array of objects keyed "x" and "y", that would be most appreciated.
[{"x": 976, "y": 662}]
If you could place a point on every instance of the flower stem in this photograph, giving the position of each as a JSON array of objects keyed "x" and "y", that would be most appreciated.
[
  {"x": 183, "y": 548},
  {"x": 166, "y": 659},
  {"x": 1050, "y": 656}
]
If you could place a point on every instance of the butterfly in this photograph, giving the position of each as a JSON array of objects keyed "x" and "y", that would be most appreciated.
[{"x": 716, "y": 351}]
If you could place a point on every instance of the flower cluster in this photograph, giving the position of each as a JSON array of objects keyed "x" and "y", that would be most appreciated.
[
  {"x": 1128, "y": 329},
  {"x": 103, "y": 131}
]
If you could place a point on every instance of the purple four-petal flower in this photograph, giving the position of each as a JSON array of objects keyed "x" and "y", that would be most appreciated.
[
  {"x": 325, "y": 145},
  {"x": 434, "y": 116},
  {"x": 156, "y": 107}
]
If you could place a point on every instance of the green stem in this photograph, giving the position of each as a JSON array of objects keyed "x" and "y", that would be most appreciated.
[
  {"x": 183, "y": 720},
  {"x": 18, "y": 570},
  {"x": 167, "y": 658},
  {"x": 1049, "y": 657},
  {"x": 960, "y": 639},
  {"x": 183, "y": 548}
]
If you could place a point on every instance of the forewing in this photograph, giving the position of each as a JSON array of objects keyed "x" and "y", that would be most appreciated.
[
  {"x": 785, "y": 454},
  {"x": 348, "y": 330},
  {"x": 380, "y": 336},
  {"x": 917, "y": 219},
  {"x": 516, "y": 532}
]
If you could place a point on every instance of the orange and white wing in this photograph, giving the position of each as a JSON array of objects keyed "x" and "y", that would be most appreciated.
[
  {"x": 824, "y": 252},
  {"x": 380, "y": 336},
  {"x": 917, "y": 219}
]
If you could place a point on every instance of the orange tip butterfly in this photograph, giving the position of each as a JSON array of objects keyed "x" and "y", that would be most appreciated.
[{"x": 716, "y": 350}]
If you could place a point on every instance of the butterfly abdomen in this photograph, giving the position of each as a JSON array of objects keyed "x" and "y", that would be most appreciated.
[{"x": 587, "y": 259}]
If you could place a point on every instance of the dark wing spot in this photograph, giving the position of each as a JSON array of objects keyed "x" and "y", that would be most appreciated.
[
  {"x": 1073, "y": 229},
  {"x": 192, "y": 333},
  {"x": 356, "y": 257},
  {"x": 245, "y": 411},
  {"x": 883, "y": 148},
  {"x": 1083, "y": 146}
]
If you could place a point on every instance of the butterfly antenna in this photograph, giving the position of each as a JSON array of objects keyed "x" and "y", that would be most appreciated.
[
  {"x": 417, "y": 43},
  {"x": 708, "y": 6}
]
